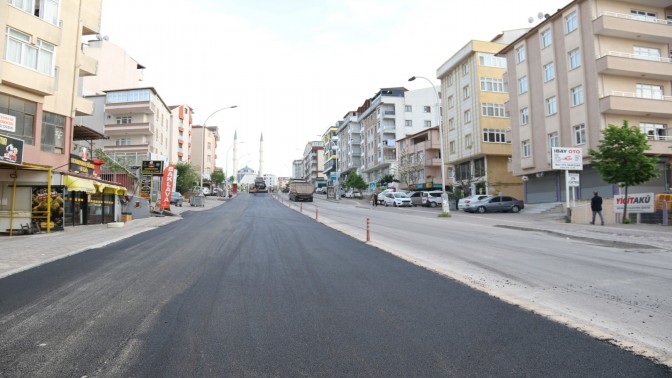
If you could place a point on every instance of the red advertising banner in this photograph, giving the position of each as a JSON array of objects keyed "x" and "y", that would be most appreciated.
[{"x": 167, "y": 186}]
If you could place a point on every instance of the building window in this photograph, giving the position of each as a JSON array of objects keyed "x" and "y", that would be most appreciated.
[
  {"x": 451, "y": 147},
  {"x": 571, "y": 22},
  {"x": 468, "y": 142},
  {"x": 577, "y": 95},
  {"x": 428, "y": 123},
  {"x": 21, "y": 51},
  {"x": 45, "y": 9},
  {"x": 451, "y": 102},
  {"x": 520, "y": 54},
  {"x": 491, "y": 84},
  {"x": 53, "y": 133},
  {"x": 449, "y": 80},
  {"x": 551, "y": 106},
  {"x": 574, "y": 57},
  {"x": 466, "y": 92},
  {"x": 654, "y": 131},
  {"x": 492, "y": 110},
  {"x": 650, "y": 91},
  {"x": 553, "y": 140},
  {"x": 522, "y": 85},
  {"x": 123, "y": 120},
  {"x": 490, "y": 60},
  {"x": 427, "y": 109},
  {"x": 465, "y": 69},
  {"x": 408, "y": 108},
  {"x": 467, "y": 116},
  {"x": 549, "y": 72},
  {"x": 579, "y": 135},
  {"x": 546, "y": 38},
  {"x": 451, "y": 124},
  {"x": 494, "y": 135},
  {"x": 648, "y": 53},
  {"x": 123, "y": 142},
  {"x": 524, "y": 116},
  {"x": 408, "y": 123},
  {"x": 643, "y": 15},
  {"x": 135, "y": 95},
  {"x": 24, "y": 112},
  {"x": 526, "y": 148}
]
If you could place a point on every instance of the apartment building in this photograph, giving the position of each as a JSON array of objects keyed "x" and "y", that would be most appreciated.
[
  {"x": 419, "y": 165},
  {"x": 391, "y": 114},
  {"x": 589, "y": 65},
  {"x": 204, "y": 148},
  {"x": 313, "y": 161},
  {"x": 180, "y": 131},
  {"x": 297, "y": 169},
  {"x": 40, "y": 99},
  {"x": 330, "y": 151},
  {"x": 349, "y": 145},
  {"x": 475, "y": 124}
]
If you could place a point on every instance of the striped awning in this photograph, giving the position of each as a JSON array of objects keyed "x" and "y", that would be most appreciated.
[
  {"x": 78, "y": 184},
  {"x": 106, "y": 188}
]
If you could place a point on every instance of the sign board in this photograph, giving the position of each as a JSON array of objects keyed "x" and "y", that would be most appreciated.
[
  {"x": 11, "y": 150},
  {"x": 567, "y": 158},
  {"x": 7, "y": 123},
  {"x": 81, "y": 163},
  {"x": 637, "y": 203},
  {"x": 573, "y": 180},
  {"x": 372, "y": 186},
  {"x": 152, "y": 167},
  {"x": 146, "y": 186},
  {"x": 167, "y": 186}
]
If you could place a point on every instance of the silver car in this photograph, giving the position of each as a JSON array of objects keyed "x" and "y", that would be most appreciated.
[
  {"x": 397, "y": 199},
  {"x": 495, "y": 204}
]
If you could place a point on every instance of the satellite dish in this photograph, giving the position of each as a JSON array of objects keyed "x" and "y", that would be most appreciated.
[
  {"x": 99, "y": 36},
  {"x": 540, "y": 15},
  {"x": 530, "y": 20},
  {"x": 106, "y": 38}
]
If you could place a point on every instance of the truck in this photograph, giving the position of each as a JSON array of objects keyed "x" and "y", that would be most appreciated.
[
  {"x": 259, "y": 185},
  {"x": 300, "y": 190}
]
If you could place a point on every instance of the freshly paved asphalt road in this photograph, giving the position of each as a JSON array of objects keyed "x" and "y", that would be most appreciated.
[{"x": 255, "y": 289}]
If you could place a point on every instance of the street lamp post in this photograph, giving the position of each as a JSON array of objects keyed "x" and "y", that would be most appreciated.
[
  {"x": 444, "y": 196},
  {"x": 203, "y": 140}
]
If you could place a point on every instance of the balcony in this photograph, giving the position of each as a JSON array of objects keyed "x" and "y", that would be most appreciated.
[
  {"x": 180, "y": 140},
  {"x": 180, "y": 154},
  {"x": 389, "y": 114},
  {"x": 90, "y": 16},
  {"x": 144, "y": 107},
  {"x": 142, "y": 148},
  {"x": 26, "y": 79},
  {"x": 83, "y": 107},
  {"x": 88, "y": 65},
  {"x": 434, "y": 162},
  {"x": 428, "y": 145},
  {"x": 626, "y": 64},
  {"x": 634, "y": 27},
  {"x": 632, "y": 104},
  {"x": 144, "y": 128}
]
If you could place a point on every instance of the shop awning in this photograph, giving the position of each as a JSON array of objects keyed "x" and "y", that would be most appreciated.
[
  {"x": 112, "y": 189},
  {"x": 77, "y": 184}
]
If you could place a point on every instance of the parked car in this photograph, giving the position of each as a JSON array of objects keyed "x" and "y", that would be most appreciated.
[
  {"x": 176, "y": 199},
  {"x": 495, "y": 204},
  {"x": 416, "y": 198},
  {"x": 217, "y": 191},
  {"x": 398, "y": 199},
  {"x": 381, "y": 195},
  {"x": 467, "y": 200},
  {"x": 321, "y": 190},
  {"x": 352, "y": 193},
  {"x": 432, "y": 198},
  {"x": 206, "y": 191}
]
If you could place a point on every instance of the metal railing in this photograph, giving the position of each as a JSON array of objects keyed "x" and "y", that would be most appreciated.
[
  {"x": 635, "y": 56},
  {"x": 635, "y": 17},
  {"x": 636, "y": 95}
]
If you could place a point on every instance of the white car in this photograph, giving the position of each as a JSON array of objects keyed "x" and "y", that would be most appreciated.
[
  {"x": 464, "y": 202},
  {"x": 397, "y": 199}
]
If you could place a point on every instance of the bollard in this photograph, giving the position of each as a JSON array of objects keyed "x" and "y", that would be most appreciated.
[
  {"x": 664, "y": 213},
  {"x": 301, "y": 208},
  {"x": 317, "y": 215},
  {"x": 368, "y": 230}
]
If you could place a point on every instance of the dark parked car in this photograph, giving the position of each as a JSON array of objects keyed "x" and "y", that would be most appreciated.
[
  {"x": 495, "y": 204},
  {"x": 176, "y": 199}
]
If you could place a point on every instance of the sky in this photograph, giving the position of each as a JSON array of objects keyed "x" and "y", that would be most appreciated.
[{"x": 294, "y": 68}]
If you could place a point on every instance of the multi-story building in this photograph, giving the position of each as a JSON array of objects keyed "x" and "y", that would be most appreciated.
[
  {"x": 297, "y": 169},
  {"x": 313, "y": 161},
  {"x": 204, "y": 148},
  {"x": 330, "y": 151},
  {"x": 116, "y": 69},
  {"x": 589, "y": 65},
  {"x": 40, "y": 98},
  {"x": 391, "y": 114},
  {"x": 419, "y": 165},
  {"x": 475, "y": 124},
  {"x": 179, "y": 141},
  {"x": 349, "y": 145}
]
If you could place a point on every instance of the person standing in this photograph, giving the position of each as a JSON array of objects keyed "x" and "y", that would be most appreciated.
[
  {"x": 596, "y": 207},
  {"x": 374, "y": 199}
]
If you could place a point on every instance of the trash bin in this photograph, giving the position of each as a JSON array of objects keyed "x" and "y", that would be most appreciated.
[{"x": 197, "y": 200}]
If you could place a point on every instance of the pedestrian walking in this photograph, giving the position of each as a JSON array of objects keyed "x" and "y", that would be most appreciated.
[
  {"x": 374, "y": 199},
  {"x": 596, "y": 207}
]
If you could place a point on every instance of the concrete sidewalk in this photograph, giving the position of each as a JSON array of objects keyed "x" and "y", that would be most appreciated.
[{"x": 22, "y": 252}]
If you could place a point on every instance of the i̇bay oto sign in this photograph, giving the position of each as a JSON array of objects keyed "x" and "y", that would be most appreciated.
[{"x": 569, "y": 159}]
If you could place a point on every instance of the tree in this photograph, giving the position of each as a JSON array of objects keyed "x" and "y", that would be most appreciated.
[
  {"x": 217, "y": 177},
  {"x": 620, "y": 158},
  {"x": 187, "y": 177},
  {"x": 386, "y": 179},
  {"x": 355, "y": 181}
]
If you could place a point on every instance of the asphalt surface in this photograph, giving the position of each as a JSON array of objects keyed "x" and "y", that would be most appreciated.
[{"x": 253, "y": 289}]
